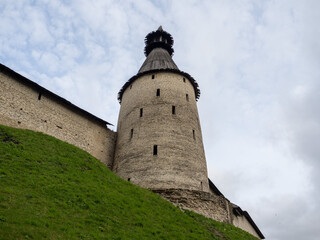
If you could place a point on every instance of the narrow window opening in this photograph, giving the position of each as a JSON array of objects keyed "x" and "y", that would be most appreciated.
[
  {"x": 201, "y": 186},
  {"x": 173, "y": 110},
  {"x": 130, "y": 86},
  {"x": 184, "y": 80},
  {"x": 152, "y": 76},
  {"x": 187, "y": 97},
  {"x": 155, "y": 149},
  {"x": 39, "y": 96},
  {"x": 158, "y": 92},
  {"x": 194, "y": 135},
  {"x": 141, "y": 112},
  {"x": 131, "y": 133},
  {"x": 129, "y": 179}
]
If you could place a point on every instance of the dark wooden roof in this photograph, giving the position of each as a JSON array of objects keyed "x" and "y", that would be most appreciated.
[
  {"x": 46, "y": 92},
  {"x": 214, "y": 189},
  {"x": 158, "y": 59}
]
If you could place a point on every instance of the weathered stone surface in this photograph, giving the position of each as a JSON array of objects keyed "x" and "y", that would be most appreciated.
[
  {"x": 210, "y": 205},
  {"x": 204, "y": 203},
  {"x": 22, "y": 108},
  {"x": 243, "y": 223},
  {"x": 180, "y": 160}
]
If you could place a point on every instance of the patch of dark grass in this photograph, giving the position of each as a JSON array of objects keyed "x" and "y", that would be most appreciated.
[{"x": 6, "y": 138}]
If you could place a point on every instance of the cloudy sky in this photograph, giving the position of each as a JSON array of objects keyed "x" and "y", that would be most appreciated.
[{"x": 257, "y": 64}]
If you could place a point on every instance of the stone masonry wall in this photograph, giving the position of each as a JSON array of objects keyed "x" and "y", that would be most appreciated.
[
  {"x": 204, "y": 203},
  {"x": 242, "y": 222},
  {"x": 210, "y": 205},
  {"x": 146, "y": 119},
  {"x": 182, "y": 164},
  {"x": 21, "y": 107}
]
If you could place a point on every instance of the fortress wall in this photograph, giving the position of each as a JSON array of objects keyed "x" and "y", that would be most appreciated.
[
  {"x": 21, "y": 106},
  {"x": 180, "y": 159},
  {"x": 210, "y": 205},
  {"x": 243, "y": 223},
  {"x": 207, "y": 204}
]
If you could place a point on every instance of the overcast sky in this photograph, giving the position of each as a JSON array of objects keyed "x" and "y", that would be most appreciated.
[{"x": 257, "y": 64}]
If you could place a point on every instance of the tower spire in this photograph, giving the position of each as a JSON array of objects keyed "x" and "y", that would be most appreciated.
[
  {"x": 159, "y": 51},
  {"x": 158, "y": 39}
]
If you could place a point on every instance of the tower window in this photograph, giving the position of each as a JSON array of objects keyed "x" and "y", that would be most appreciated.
[
  {"x": 39, "y": 96},
  {"x": 141, "y": 112},
  {"x": 158, "y": 92},
  {"x": 131, "y": 133},
  {"x": 194, "y": 134},
  {"x": 152, "y": 76},
  {"x": 184, "y": 80},
  {"x": 187, "y": 97},
  {"x": 130, "y": 86},
  {"x": 173, "y": 110},
  {"x": 155, "y": 150}
]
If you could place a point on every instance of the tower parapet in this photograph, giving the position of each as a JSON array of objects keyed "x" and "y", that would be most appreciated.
[{"x": 159, "y": 143}]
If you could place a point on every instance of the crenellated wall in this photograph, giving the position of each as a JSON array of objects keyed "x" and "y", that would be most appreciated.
[{"x": 24, "y": 104}]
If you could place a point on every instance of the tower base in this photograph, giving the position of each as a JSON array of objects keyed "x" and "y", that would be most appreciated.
[{"x": 207, "y": 204}]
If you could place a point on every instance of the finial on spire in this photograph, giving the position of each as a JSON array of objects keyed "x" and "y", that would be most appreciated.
[{"x": 160, "y": 29}]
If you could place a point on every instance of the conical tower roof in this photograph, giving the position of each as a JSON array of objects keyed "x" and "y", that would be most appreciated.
[
  {"x": 158, "y": 58},
  {"x": 159, "y": 51}
]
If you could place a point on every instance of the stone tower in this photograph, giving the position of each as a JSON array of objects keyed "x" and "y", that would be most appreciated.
[{"x": 159, "y": 144}]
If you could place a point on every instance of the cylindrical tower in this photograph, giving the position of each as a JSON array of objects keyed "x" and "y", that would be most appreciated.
[{"x": 159, "y": 144}]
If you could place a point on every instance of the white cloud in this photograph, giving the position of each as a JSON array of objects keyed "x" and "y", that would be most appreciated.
[{"x": 257, "y": 64}]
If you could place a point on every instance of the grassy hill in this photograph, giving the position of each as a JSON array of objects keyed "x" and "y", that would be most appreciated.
[{"x": 52, "y": 190}]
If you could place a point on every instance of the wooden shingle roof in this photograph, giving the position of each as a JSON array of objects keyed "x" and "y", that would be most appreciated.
[{"x": 159, "y": 58}]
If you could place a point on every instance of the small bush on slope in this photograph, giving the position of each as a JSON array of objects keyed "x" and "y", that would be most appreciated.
[{"x": 52, "y": 190}]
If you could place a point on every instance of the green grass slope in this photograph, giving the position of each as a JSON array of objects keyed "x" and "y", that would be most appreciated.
[{"x": 52, "y": 190}]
